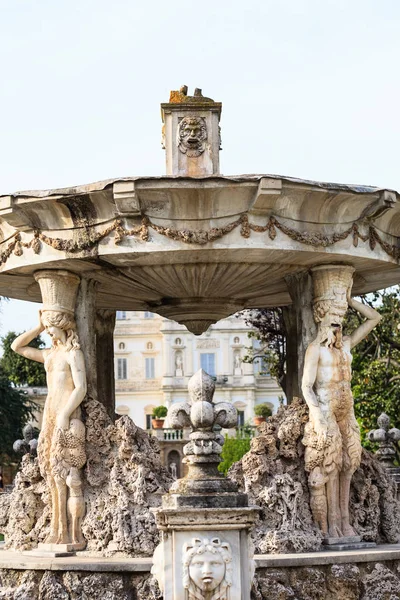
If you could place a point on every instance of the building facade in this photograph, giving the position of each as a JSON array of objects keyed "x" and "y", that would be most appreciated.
[{"x": 155, "y": 358}]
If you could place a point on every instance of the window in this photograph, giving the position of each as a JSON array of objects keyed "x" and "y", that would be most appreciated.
[
  {"x": 122, "y": 368},
  {"x": 236, "y": 340},
  {"x": 121, "y": 314},
  {"x": 149, "y": 345},
  {"x": 261, "y": 367},
  {"x": 207, "y": 362},
  {"x": 148, "y": 422},
  {"x": 148, "y": 315},
  {"x": 178, "y": 342},
  {"x": 150, "y": 368},
  {"x": 121, "y": 346},
  {"x": 240, "y": 420}
]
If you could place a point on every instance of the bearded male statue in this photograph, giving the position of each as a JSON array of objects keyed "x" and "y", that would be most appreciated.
[{"x": 332, "y": 436}]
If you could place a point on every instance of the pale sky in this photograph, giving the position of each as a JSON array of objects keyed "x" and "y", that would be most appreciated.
[{"x": 309, "y": 88}]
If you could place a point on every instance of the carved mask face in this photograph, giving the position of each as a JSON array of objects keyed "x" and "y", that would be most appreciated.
[
  {"x": 207, "y": 570},
  {"x": 192, "y": 134}
]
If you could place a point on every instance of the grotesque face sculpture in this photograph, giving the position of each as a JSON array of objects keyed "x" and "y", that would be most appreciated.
[
  {"x": 207, "y": 567},
  {"x": 192, "y": 136}
]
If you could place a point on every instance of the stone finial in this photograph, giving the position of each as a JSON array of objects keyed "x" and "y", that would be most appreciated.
[
  {"x": 386, "y": 439},
  {"x": 29, "y": 442},
  {"x": 203, "y": 452},
  {"x": 191, "y": 133}
]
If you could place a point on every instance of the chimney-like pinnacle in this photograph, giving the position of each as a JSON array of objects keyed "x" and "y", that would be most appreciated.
[{"x": 191, "y": 133}]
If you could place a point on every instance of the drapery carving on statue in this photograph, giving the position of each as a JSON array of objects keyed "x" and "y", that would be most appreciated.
[
  {"x": 207, "y": 569},
  {"x": 192, "y": 136},
  {"x": 61, "y": 447},
  {"x": 332, "y": 437}
]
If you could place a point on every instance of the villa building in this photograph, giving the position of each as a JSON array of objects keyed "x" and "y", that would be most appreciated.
[{"x": 155, "y": 358}]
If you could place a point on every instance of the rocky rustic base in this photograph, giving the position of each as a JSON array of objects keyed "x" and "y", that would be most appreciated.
[{"x": 371, "y": 575}]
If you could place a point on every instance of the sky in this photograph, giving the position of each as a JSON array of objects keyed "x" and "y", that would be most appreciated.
[{"x": 309, "y": 88}]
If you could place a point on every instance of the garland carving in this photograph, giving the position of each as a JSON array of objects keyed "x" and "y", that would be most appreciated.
[{"x": 188, "y": 236}]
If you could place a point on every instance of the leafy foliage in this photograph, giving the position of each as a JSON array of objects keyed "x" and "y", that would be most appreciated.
[
  {"x": 232, "y": 451},
  {"x": 262, "y": 410},
  {"x": 160, "y": 412},
  {"x": 376, "y": 360},
  {"x": 269, "y": 336},
  {"x": 15, "y": 412},
  {"x": 20, "y": 370}
]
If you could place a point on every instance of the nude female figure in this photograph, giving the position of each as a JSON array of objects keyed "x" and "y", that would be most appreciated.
[
  {"x": 66, "y": 381},
  {"x": 332, "y": 437}
]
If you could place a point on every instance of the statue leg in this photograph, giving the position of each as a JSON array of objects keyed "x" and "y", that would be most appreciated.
[
  {"x": 351, "y": 461},
  {"x": 332, "y": 493},
  {"x": 53, "y": 535},
  {"x": 62, "y": 526}
]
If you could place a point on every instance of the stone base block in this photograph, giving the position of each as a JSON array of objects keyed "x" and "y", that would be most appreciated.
[
  {"x": 350, "y": 546},
  {"x": 349, "y": 539}
]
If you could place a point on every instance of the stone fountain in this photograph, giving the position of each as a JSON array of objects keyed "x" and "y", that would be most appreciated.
[{"x": 194, "y": 246}]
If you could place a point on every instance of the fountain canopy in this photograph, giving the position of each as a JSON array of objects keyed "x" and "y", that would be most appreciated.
[{"x": 196, "y": 246}]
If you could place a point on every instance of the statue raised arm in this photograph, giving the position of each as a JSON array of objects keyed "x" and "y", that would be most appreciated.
[{"x": 61, "y": 447}]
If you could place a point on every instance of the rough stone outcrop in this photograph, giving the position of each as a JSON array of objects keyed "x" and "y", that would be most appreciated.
[
  {"x": 123, "y": 479},
  {"x": 273, "y": 475},
  {"x": 364, "y": 581},
  {"x": 76, "y": 585}
]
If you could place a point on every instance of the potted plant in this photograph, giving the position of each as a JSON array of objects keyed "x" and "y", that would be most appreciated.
[
  {"x": 261, "y": 411},
  {"x": 158, "y": 416}
]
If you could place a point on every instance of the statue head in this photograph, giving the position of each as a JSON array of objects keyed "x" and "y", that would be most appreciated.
[
  {"x": 192, "y": 136},
  {"x": 207, "y": 567},
  {"x": 61, "y": 328}
]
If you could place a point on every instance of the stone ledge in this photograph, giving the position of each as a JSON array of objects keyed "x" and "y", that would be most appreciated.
[
  {"x": 380, "y": 553},
  {"x": 17, "y": 561}
]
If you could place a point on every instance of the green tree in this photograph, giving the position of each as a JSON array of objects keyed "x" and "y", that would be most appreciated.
[
  {"x": 15, "y": 412},
  {"x": 20, "y": 370},
  {"x": 376, "y": 360},
  {"x": 232, "y": 451}
]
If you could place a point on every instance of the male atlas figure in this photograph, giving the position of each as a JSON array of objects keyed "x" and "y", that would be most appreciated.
[{"x": 332, "y": 437}]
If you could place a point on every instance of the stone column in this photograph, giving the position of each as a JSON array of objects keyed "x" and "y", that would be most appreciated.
[
  {"x": 300, "y": 328},
  {"x": 105, "y": 324},
  {"x": 85, "y": 315}
]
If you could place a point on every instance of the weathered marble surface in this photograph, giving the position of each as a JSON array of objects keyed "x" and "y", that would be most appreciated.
[
  {"x": 123, "y": 479},
  {"x": 273, "y": 476}
]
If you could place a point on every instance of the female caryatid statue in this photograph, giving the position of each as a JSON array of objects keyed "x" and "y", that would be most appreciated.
[
  {"x": 61, "y": 448},
  {"x": 332, "y": 436}
]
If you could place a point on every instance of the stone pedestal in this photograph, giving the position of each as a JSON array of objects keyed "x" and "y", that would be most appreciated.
[
  {"x": 192, "y": 540},
  {"x": 205, "y": 552}
]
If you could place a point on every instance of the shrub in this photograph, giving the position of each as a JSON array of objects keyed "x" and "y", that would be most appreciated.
[
  {"x": 232, "y": 451},
  {"x": 160, "y": 412},
  {"x": 262, "y": 410}
]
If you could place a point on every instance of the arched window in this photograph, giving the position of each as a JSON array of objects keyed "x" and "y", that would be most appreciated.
[
  {"x": 121, "y": 346},
  {"x": 236, "y": 340},
  {"x": 149, "y": 345},
  {"x": 178, "y": 342}
]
